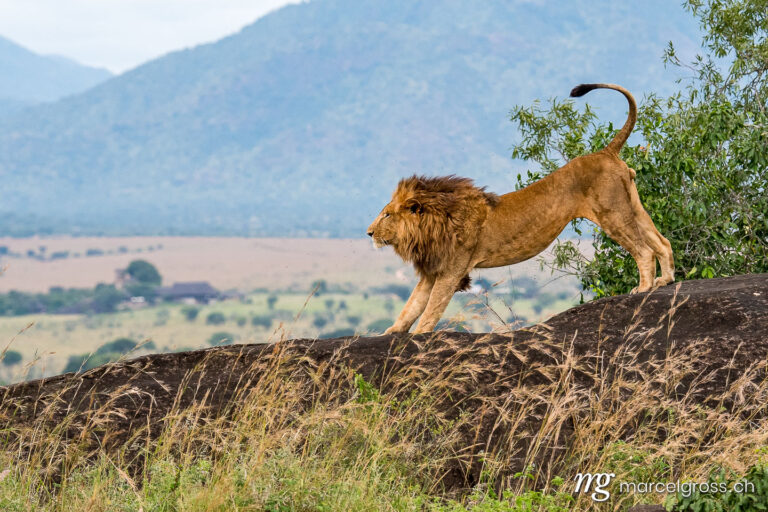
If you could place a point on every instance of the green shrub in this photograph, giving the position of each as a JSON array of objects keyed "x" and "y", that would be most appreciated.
[
  {"x": 11, "y": 357},
  {"x": 752, "y": 498},
  {"x": 221, "y": 338},
  {"x": 190, "y": 313},
  {"x": 261, "y": 321},
  {"x": 120, "y": 346},
  {"x": 380, "y": 325},
  {"x": 702, "y": 169},
  {"x": 215, "y": 318},
  {"x": 338, "y": 333}
]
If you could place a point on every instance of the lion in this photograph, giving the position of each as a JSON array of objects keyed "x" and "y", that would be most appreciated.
[{"x": 447, "y": 226}]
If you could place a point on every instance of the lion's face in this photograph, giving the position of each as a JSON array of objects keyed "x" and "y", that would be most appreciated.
[{"x": 395, "y": 219}]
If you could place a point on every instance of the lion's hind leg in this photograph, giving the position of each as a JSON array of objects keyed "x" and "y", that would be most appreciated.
[
  {"x": 621, "y": 225},
  {"x": 662, "y": 249}
]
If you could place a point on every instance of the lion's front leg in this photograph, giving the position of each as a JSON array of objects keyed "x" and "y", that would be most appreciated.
[
  {"x": 441, "y": 295},
  {"x": 413, "y": 307}
]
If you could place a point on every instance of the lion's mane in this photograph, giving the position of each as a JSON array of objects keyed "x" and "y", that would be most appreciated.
[{"x": 449, "y": 211}]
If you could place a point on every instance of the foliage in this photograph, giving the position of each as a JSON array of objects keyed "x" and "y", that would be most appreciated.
[
  {"x": 337, "y": 333},
  {"x": 401, "y": 291},
  {"x": 726, "y": 493},
  {"x": 83, "y": 362},
  {"x": 106, "y": 353},
  {"x": 215, "y": 318},
  {"x": 190, "y": 313},
  {"x": 380, "y": 325},
  {"x": 120, "y": 346},
  {"x": 221, "y": 338},
  {"x": 106, "y": 298},
  {"x": 146, "y": 290},
  {"x": 702, "y": 171},
  {"x": 319, "y": 286},
  {"x": 11, "y": 357},
  {"x": 264, "y": 321},
  {"x": 56, "y": 300},
  {"x": 144, "y": 272}
]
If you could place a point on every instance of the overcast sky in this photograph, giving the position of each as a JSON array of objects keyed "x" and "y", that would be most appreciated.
[{"x": 121, "y": 34}]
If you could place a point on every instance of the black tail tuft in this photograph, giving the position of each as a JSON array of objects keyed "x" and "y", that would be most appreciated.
[
  {"x": 581, "y": 90},
  {"x": 464, "y": 284}
]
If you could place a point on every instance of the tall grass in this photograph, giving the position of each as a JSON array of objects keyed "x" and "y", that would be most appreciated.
[{"x": 501, "y": 423}]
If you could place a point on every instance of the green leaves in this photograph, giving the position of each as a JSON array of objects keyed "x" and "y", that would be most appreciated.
[{"x": 702, "y": 168}]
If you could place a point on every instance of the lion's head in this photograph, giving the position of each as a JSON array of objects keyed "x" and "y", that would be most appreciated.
[{"x": 429, "y": 218}]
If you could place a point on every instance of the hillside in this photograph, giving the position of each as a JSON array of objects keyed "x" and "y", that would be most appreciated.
[
  {"x": 321, "y": 106},
  {"x": 679, "y": 367},
  {"x": 27, "y": 78}
]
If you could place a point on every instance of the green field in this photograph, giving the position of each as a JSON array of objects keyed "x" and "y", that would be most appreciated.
[{"x": 47, "y": 341}]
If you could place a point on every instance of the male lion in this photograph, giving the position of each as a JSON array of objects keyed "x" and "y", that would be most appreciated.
[{"x": 446, "y": 226}]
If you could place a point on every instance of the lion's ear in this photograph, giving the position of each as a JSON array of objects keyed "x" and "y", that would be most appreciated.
[{"x": 413, "y": 206}]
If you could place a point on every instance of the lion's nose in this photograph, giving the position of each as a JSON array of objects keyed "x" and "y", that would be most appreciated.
[{"x": 370, "y": 233}]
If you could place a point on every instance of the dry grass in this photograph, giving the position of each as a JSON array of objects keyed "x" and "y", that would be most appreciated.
[{"x": 300, "y": 433}]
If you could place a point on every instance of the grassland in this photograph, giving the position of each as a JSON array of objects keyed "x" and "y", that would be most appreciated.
[
  {"x": 259, "y": 269},
  {"x": 49, "y": 340}
]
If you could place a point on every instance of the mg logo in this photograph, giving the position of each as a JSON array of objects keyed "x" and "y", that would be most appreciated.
[{"x": 585, "y": 481}]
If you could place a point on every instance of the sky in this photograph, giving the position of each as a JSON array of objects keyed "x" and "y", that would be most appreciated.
[{"x": 121, "y": 34}]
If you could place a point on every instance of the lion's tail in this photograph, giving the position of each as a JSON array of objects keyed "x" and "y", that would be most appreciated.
[{"x": 621, "y": 138}]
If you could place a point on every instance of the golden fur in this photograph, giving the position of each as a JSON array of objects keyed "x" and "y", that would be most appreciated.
[{"x": 446, "y": 226}]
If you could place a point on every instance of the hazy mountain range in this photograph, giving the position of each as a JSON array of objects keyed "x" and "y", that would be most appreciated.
[
  {"x": 27, "y": 78},
  {"x": 302, "y": 123}
]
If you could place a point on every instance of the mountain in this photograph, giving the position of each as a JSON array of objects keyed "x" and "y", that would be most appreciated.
[
  {"x": 27, "y": 78},
  {"x": 302, "y": 123}
]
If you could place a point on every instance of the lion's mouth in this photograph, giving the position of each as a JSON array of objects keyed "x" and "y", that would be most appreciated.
[{"x": 380, "y": 242}]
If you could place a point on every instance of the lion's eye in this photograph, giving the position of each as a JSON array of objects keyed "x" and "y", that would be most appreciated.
[{"x": 386, "y": 215}]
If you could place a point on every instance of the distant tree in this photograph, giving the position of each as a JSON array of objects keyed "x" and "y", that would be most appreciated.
[
  {"x": 94, "y": 252},
  {"x": 320, "y": 322},
  {"x": 241, "y": 321},
  {"x": 221, "y": 338},
  {"x": 119, "y": 346},
  {"x": 353, "y": 320},
  {"x": 190, "y": 313},
  {"x": 84, "y": 362},
  {"x": 320, "y": 287},
  {"x": 484, "y": 283},
  {"x": 329, "y": 303},
  {"x": 12, "y": 357},
  {"x": 343, "y": 305},
  {"x": 400, "y": 290},
  {"x": 143, "y": 272},
  {"x": 271, "y": 301},
  {"x": 338, "y": 333},
  {"x": 106, "y": 298},
  {"x": 215, "y": 318},
  {"x": 262, "y": 320},
  {"x": 3, "y": 250},
  {"x": 448, "y": 325},
  {"x": 380, "y": 325},
  {"x": 139, "y": 289}
]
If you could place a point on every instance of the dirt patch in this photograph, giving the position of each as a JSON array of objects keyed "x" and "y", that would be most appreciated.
[{"x": 717, "y": 331}]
